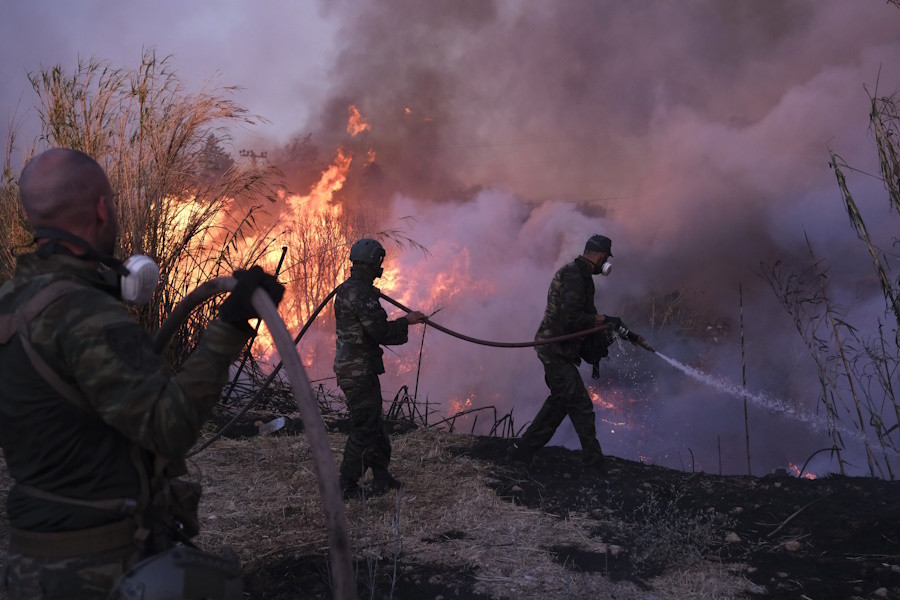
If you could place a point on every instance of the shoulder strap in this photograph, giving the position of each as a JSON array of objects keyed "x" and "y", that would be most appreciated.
[
  {"x": 47, "y": 295},
  {"x": 17, "y": 323}
]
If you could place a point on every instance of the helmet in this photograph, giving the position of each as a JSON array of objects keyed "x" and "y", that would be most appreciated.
[{"x": 367, "y": 251}]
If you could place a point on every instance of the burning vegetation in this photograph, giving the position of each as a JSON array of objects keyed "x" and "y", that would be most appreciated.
[
  {"x": 296, "y": 210},
  {"x": 469, "y": 523}
]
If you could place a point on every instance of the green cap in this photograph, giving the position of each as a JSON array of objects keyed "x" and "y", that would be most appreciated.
[{"x": 598, "y": 243}]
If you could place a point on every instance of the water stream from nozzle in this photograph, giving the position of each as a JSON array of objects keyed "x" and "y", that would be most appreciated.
[
  {"x": 769, "y": 403},
  {"x": 764, "y": 401}
]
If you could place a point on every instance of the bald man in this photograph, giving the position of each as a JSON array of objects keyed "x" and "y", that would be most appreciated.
[
  {"x": 93, "y": 424},
  {"x": 67, "y": 189}
]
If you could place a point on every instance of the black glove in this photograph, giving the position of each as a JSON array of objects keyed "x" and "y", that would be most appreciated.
[
  {"x": 237, "y": 308},
  {"x": 613, "y": 322}
]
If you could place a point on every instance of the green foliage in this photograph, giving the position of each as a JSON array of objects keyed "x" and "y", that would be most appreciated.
[{"x": 214, "y": 162}]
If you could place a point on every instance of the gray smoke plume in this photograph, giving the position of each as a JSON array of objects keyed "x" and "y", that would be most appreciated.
[{"x": 695, "y": 134}]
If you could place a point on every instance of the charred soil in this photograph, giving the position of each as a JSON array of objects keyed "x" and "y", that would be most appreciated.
[
  {"x": 470, "y": 523},
  {"x": 555, "y": 529},
  {"x": 831, "y": 537}
]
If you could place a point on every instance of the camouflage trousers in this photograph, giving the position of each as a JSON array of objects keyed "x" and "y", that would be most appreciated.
[
  {"x": 82, "y": 577},
  {"x": 568, "y": 397},
  {"x": 368, "y": 445}
]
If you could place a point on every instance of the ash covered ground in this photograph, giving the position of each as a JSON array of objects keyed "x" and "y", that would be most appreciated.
[{"x": 472, "y": 524}]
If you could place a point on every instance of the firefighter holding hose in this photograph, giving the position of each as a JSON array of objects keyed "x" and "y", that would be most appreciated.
[
  {"x": 362, "y": 327},
  {"x": 93, "y": 424},
  {"x": 570, "y": 308}
]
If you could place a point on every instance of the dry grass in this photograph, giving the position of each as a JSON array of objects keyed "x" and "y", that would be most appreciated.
[
  {"x": 261, "y": 498},
  {"x": 15, "y": 233}
]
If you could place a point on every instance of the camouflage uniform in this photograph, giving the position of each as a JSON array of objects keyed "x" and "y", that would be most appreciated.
[
  {"x": 140, "y": 412},
  {"x": 362, "y": 326},
  {"x": 570, "y": 308}
]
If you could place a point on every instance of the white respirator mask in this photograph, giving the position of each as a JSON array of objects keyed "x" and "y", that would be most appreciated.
[
  {"x": 602, "y": 269},
  {"x": 139, "y": 285},
  {"x": 605, "y": 268}
]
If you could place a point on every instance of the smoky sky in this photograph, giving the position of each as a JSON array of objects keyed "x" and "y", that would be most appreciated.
[
  {"x": 701, "y": 128},
  {"x": 696, "y": 134},
  {"x": 276, "y": 53}
]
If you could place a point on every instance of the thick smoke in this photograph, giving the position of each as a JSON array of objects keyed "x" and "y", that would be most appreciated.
[{"x": 696, "y": 135}]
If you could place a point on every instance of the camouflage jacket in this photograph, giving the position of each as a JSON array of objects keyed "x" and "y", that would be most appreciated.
[
  {"x": 89, "y": 339},
  {"x": 362, "y": 326},
  {"x": 570, "y": 308}
]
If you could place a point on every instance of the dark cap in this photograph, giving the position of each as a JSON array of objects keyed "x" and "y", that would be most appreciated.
[{"x": 598, "y": 243}]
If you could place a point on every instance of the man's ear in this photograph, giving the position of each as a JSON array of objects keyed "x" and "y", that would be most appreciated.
[
  {"x": 104, "y": 211},
  {"x": 101, "y": 210}
]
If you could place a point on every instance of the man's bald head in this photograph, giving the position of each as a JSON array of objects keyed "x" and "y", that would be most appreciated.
[{"x": 60, "y": 188}]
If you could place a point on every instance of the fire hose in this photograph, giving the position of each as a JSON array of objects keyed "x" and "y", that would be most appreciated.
[
  {"x": 621, "y": 330},
  {"x": 343, "y": 582},
  {"x": 168, "y": 329},
  {"x": 323, "y": 461}
]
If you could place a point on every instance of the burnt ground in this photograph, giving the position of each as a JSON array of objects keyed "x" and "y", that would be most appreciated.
[{"x": 832, "y": 537}]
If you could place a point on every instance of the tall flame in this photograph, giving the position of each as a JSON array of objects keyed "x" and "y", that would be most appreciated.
[
  {"x": 356, "y": 124},
  {"x": 331, "y": 181},
  {"x": 316, "y": 239}
]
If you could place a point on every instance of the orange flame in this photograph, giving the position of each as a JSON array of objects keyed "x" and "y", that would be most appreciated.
[
  {"x": 356, "y": 124},
  {"x": 311, "y": 224},
  {"x": 796, "y": 471},
  {"x": 457, "y": 405},
  {"x": 332, "y": 180},
  {"x": 599, "y": 401}
]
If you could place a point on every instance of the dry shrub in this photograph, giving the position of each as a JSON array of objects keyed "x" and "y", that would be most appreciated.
[
  {"x": 663, "y": 535},
  {"x": 15, "y": 233},
  {"x": 180, "y": 198}
]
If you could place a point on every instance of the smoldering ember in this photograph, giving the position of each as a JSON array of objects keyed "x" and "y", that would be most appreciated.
[{"x": 741, "y": 158}]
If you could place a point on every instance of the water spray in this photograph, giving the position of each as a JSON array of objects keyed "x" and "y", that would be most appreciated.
[{"x": 770, "y": 404}]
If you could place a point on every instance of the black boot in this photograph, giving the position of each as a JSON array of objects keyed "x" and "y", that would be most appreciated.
[
  {"x": 595, "y": 461},
  {"x": 382, "y": 481},
  {"x": 349, "y": 488},
  {"x": 520, "y": 452}
]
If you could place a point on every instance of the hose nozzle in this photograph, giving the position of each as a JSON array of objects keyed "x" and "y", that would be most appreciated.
[
  {"x": 634, "y": 338},
  {"x": 647, "y": 346}
]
